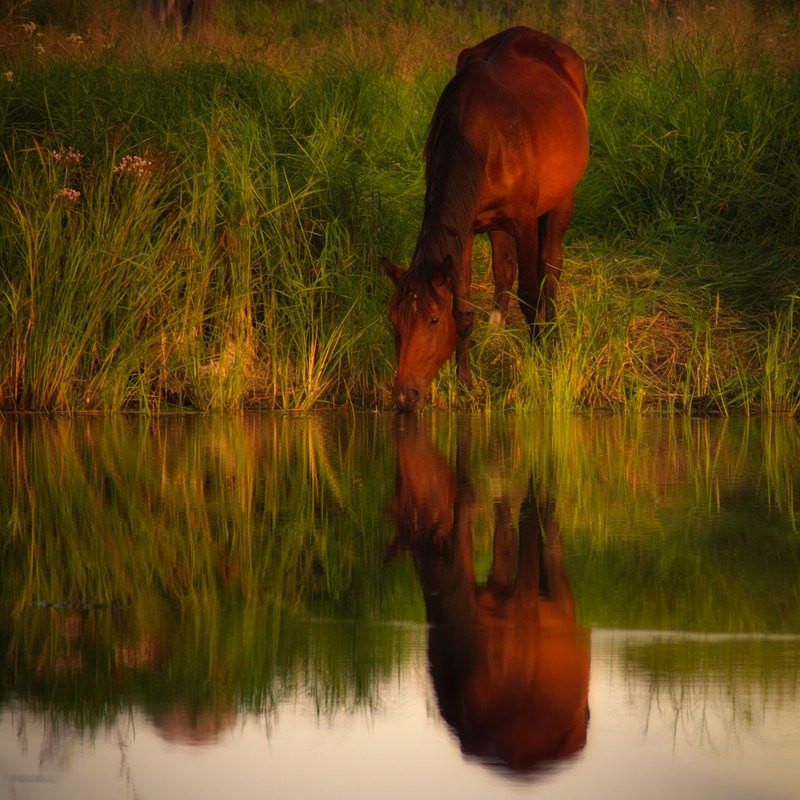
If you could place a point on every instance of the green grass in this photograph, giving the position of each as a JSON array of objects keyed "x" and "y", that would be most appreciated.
[{"x": 240, "y": 269}]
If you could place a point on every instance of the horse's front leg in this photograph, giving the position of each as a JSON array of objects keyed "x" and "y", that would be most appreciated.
[
  {"x": 504, "y": 270},
  {"x": 464, "y": 314}
]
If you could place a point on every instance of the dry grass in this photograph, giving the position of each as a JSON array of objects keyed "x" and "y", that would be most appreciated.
[{"x": 603, "y": 31}]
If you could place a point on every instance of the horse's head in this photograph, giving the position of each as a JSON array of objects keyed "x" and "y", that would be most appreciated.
[
  {"x": 426, "y": 490},
  {"x": 421, "y": 311}
]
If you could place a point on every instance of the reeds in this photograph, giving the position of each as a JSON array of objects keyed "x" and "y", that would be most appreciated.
[{"x": 199, "y": 224}]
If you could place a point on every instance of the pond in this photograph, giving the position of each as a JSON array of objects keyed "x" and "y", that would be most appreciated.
[{"x": 373, "y": 605}]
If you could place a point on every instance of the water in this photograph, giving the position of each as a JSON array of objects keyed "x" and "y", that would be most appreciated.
[{"x": 379, "y": 606}]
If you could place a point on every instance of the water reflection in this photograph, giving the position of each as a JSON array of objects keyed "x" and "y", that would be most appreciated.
[
  {"x": 224, "y": 582},
  {"x": 509, "y": 663},
  {"x": 183, "y": 726}
]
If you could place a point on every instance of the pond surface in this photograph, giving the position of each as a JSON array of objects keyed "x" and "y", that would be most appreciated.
[{"x": 398, "y": 607}]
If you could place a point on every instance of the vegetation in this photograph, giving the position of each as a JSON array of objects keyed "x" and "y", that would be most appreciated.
[
  {"x": 198, "y": 223},
  {"x": 233, "y": 562},
  {"x": 293, "y": 513}
]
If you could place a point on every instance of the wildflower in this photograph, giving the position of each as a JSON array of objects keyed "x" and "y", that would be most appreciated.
[
  {"x": 9, "y": 76},
  {"x": 29, "y": 27},
  {"x": 67, "y": 156},
  {"x": 134, "y": 165},
  {"x": 75, "y": 38},
  {"x": 72, "y": 195}
]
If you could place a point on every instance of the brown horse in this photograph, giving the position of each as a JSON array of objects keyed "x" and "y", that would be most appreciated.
[
  {"x": 509, "y": 663},
  {"x": 507, "y": 146}
]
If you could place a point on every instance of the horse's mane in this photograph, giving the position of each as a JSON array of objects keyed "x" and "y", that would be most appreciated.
[
  {"x": 453, "y": 171},
  {"x": 418, "y": 286}
]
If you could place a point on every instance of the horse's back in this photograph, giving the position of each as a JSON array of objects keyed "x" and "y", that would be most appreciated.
[
  {"x": 519, "y": 99},
  {"x": 516, "y": 53}
]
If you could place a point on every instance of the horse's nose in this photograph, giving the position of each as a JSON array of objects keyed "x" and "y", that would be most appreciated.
[{"x": 406, "y": 398}]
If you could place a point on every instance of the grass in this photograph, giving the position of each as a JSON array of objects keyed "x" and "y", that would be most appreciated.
[{"x": 280, "y": 158}]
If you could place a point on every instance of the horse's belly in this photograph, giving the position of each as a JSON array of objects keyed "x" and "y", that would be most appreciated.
[
  {"x": 519, "y": 195},
  {"x": 563, "y": 156},
  {"x": 529, "y": 175}
]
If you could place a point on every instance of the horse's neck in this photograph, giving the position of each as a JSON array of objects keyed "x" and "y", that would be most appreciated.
[
  {"x": 453, "y": 174},
  {"x": 434, "y": 247},
  {"x": 444, "y": 234}
]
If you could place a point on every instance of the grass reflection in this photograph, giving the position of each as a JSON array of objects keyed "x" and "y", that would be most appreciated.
[
  {"x": 257, "y": 510},
  {"x": 174, "y": 564},
  {"x": 165, "y": 564},
  {"x": 709, "y": 690}
]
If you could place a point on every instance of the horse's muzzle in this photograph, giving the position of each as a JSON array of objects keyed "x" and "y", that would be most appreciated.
[{"x": 408, "y": 398}]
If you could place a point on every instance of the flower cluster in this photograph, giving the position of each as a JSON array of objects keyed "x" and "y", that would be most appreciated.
[
  {"x": 67, "y": 156},
  {"x": 9, "y": 76},
  {"x": 134, "y": 165},
  {"x": 32, "y": 30},
  {"x": 72, "y": 195}
]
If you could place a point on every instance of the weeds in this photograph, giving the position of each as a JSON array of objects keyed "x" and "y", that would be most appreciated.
[{"x": 199, "y": 223}]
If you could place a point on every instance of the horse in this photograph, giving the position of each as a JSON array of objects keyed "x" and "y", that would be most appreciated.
[
  {"x": 508, "y": 661},
  {"x": 176, "y": 15},
  {"x": 507, "y": 146}
]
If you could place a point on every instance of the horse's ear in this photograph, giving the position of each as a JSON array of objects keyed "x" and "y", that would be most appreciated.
[{"x": 393, "y": 272}]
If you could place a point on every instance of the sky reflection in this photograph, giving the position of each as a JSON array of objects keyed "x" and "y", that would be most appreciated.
[{"x": 719, "y": 737}]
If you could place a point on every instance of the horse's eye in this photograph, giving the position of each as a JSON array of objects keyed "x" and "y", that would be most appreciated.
[{"x": 434, "y": 321}]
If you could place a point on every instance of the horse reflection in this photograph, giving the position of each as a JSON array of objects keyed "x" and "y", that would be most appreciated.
[
  {"x": 510, "y": 665},
  {"x": 180, "y": 725}
]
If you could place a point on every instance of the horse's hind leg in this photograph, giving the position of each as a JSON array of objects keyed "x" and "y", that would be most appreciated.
[
  {"x": 552, "y": 228},
  {"x": 504, "y": 269},
  {"x": 529, "y": 276}
]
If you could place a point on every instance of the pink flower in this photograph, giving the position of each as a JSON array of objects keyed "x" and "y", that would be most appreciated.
[
  {"x": 66, "y": 156},
  {"x": 134, "y": 165},
  {"x": 72, "y": 195}
]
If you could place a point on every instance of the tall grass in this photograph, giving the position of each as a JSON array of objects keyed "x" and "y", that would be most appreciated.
[{"x": 239, "y": 266}]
